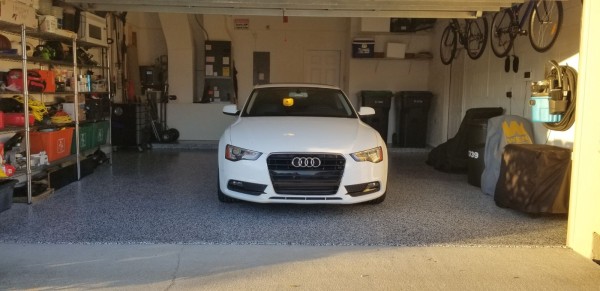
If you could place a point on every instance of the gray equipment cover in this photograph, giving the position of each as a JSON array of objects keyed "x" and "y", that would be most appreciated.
[{"x": 502, "y": 130}]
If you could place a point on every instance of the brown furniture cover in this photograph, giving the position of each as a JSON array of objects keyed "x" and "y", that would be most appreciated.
[{"x": 534, "y": 178}]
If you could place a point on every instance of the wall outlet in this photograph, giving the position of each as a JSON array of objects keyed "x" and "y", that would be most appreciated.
[
  {"x": 508, "y": 94},
  {"x": 527, "y": 75}
]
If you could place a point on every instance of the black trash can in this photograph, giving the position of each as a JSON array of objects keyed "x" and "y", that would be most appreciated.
[
  {"x": 6, "y": 193},
  {"x": 476, "y": 135},
  {"x": 412, "y": 109},
  {"x": 380, "y": 101}
]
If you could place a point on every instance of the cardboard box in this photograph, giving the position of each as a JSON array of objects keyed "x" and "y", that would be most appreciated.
[
  {"x": 69, "y": 108},
  {"x": 48, "y": 23},
  {"x": 395, "y": 50},
  {"x": 17, "y": 12}
]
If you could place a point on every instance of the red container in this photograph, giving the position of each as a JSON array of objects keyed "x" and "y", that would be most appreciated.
[
  {"x": 1, "y": 119},
  {"x": 57, "y": 144},
  {"x": 16, "y": 119}
]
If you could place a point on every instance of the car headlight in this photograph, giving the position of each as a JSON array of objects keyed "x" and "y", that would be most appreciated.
[
  {"x": 374, "y": 155},
  {"x": 235, "y": 154}
]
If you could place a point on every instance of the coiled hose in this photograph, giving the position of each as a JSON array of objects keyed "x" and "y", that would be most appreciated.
[
  {"x": 36, "y": 108},
  {"x": 568, "y": 77},
  {"x": 61, "y": 119}
]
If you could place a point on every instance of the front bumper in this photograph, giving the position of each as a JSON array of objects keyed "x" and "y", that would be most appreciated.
[{"x": 360, "y": 182}]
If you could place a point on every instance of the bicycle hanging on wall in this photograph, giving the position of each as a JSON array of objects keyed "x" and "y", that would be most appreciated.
[
  {"x": 545, "y": 19},
  {"x": 472, "y": 35}
]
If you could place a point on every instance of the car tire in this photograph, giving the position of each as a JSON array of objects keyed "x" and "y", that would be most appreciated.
[
  {"x": 222, "y": 197},
  {"x": 377, "y": 200}
]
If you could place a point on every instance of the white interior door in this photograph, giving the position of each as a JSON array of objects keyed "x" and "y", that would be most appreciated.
[{"x": 322, "y": 67}]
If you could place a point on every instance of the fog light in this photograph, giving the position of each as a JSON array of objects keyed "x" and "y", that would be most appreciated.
[
  {"x": 246, "y": 187},
  {"x": 372, "y": 187},
  {"x": 363, "y": 189}
]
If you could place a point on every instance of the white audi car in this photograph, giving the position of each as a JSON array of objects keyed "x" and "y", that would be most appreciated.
[{"x": 301, "y": 143}]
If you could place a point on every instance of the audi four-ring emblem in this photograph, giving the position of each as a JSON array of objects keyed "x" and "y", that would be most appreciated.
[{"x": 306, "y": 162}]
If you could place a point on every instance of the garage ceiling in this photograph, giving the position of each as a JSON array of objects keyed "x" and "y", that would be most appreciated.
[{"x": 312, "y": 8}]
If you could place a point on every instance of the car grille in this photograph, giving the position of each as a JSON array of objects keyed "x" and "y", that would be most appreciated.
[{"x": 322, "y": 180}]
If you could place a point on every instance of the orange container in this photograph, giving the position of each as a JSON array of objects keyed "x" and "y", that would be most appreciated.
[
  {"x": 49, "y": 79},
  {"x": 57, "y": 144},
  {"x": 16, "y": 119}
]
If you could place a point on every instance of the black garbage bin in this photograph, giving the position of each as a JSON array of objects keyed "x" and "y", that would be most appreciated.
[
  {"x": 380, "y": 101},
  {"x": 476, "y": 135},
  {"x": 412, "y": 109}
]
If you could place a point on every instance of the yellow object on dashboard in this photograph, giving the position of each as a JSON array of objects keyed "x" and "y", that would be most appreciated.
[{"x": 288, "y": 102}]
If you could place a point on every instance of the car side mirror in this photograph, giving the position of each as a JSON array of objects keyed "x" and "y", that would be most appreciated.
[
  {"x": 365, "y": 111},
  {"x": 231, "y": 110}
]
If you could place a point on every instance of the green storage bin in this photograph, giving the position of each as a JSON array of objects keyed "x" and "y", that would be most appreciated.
[
  {"x": 86, "y": 134},
  {"x": 100, "y": 132}
]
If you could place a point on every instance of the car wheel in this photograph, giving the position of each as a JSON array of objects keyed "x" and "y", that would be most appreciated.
[
  {"x": 377, "y": 200},
  {"x": 222, "y": 197}
]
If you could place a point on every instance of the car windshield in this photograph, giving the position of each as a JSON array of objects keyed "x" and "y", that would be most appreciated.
[{"x": 298, "y": 101}]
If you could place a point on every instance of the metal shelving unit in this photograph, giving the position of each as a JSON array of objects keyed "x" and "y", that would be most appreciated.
[{"x": 24, "y": 33}]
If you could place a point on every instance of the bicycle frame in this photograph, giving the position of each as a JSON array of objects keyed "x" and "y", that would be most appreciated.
[
  {"x": 460, "y": 32},
  {"x": 456, "y": 34},
  {"x": 515, "y": 8},
  {"x": 543, "y": 19}
]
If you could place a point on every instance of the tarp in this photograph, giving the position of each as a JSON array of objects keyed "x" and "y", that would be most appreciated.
[
  {"x": 452, "y": 156},
  {"x": 502, "y": 130}
]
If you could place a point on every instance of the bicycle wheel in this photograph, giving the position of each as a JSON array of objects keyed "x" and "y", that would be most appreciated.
[
  {"x": 544, "y": 24},
  {"x": 477, "y": 35},
  {"x": 501, "y": 36},
  {"x": 448, "y": 45}
]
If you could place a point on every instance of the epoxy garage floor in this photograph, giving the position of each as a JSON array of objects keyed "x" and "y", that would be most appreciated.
[{"x": 168, "y": 196}]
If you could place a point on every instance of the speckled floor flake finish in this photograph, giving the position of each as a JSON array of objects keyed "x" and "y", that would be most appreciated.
[{"x": 169, "y": 196}]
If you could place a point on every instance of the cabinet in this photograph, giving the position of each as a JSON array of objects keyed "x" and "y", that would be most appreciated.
[
  {"x": 27, "y": 36},
  {"x": 219, "y": 73}
]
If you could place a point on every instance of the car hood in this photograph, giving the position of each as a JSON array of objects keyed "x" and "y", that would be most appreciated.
[{"x": 292, "y": 134}]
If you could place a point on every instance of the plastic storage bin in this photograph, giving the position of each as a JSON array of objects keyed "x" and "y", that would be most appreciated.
[
  {"x": 100, "y": 132},
  {"x": 86, "y": 140},
  {"x": 57, "y": 144},
  {"x": 16, "y": 119}
]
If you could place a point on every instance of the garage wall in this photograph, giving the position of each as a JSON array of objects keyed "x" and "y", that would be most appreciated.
[
  {"x": 584, "y": 218},
  {"x": 486, "y": 82},
  {"x": 150, "y": 38},
  {"x": 389, "y": 74},
  {"x": 286, "y": 43}
]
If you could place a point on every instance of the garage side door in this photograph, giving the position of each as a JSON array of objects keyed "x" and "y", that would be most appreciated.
[{"x": 322, "y": 67}]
